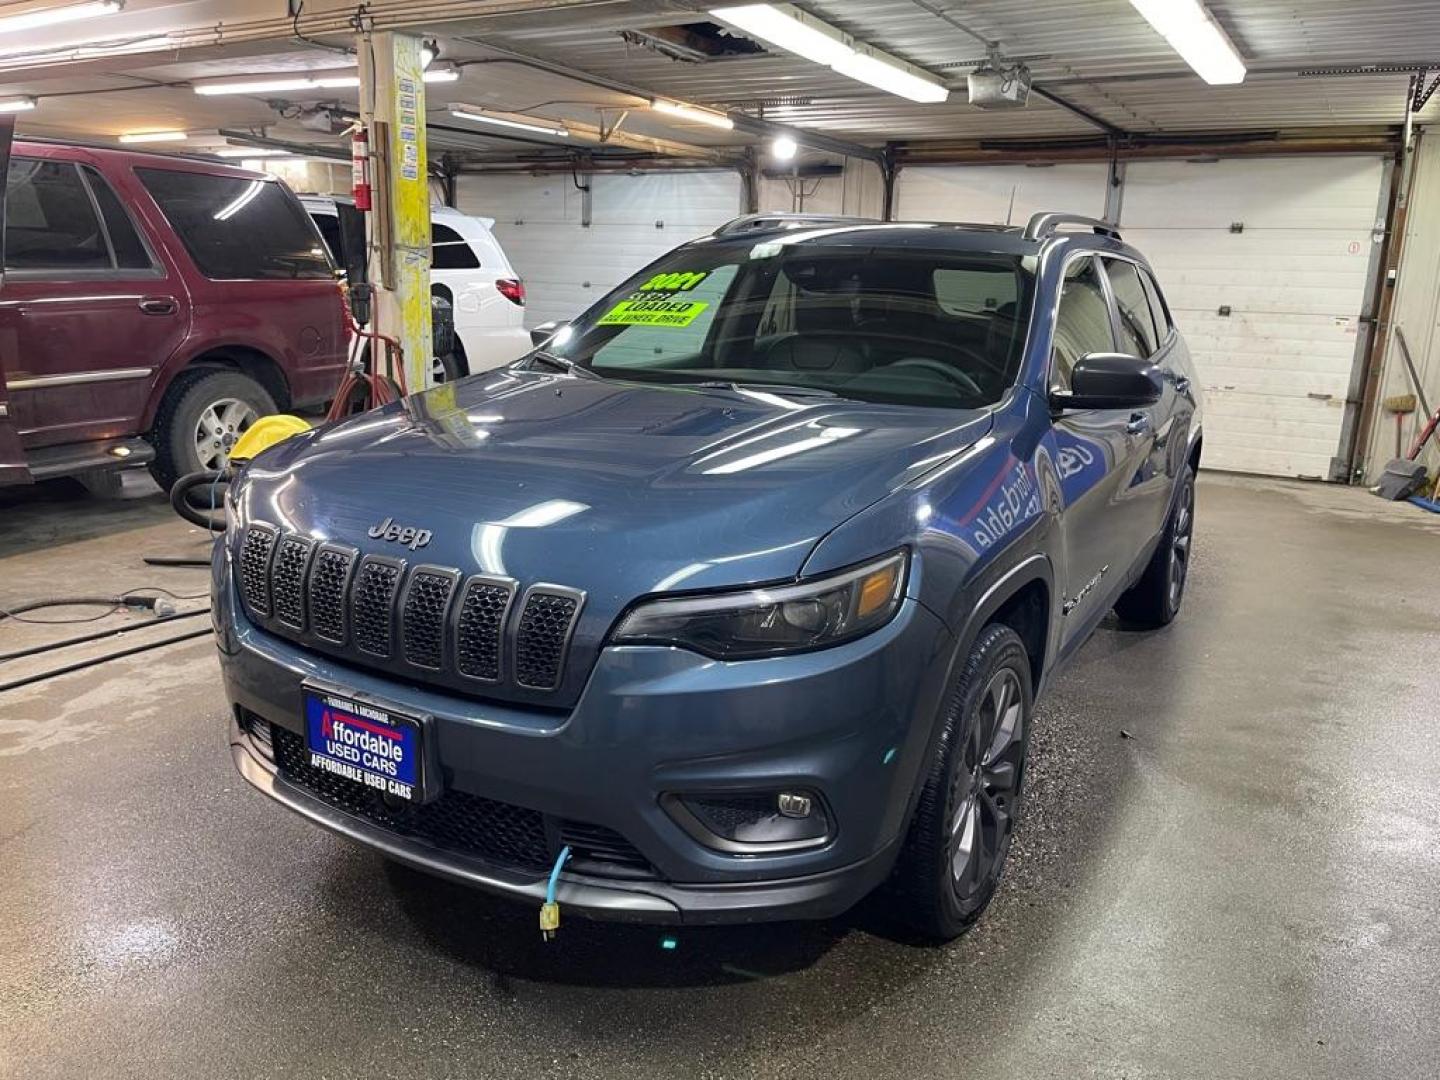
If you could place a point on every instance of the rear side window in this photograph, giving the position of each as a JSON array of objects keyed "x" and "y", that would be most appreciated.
[
  {"x": 130, "y": 251},
  {"x": 329, "y": 226},
  {"x": 1082, "y": 323},
  {"x": 1157, "y": 305},
  {"x": 451, "y": 251},
  {"x": 1137, "y": 325},
  {"x": 50, "y": 220},
  {"x": 237, "y": 228}
]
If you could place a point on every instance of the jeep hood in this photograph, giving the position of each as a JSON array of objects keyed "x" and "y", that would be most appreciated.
[{"x": 616, "y": 488}]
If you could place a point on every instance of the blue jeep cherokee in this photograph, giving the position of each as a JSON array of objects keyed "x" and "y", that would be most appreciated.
[{"x": 732, "y": 602}]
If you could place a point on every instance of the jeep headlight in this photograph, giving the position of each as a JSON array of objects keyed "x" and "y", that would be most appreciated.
[{"x": 812, "y": 614}]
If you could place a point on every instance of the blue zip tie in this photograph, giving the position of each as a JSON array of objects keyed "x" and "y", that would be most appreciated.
[{"x": 555, "y": 874}]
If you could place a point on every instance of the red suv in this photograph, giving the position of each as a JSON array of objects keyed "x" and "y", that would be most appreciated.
[{"x": 151, "y": 309}]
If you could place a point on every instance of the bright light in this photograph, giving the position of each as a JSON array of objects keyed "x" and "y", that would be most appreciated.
[
  {"x": 885, "y": 75},
  {"x": 783, "y": 148},
  {"x": 693, "y": 113},
  {"x": 249, "y": 152},
  {"x": 328, "y": 79},
  {"x": 539, "y": 127},
  {"x": 1196, "y": 36},
  {"x": 428, "y": 51},
  {"x": 244, "y": 199},
  {"x": 51, "y": 16},
  {"x": 787, "y": 27},
  {"x": 18, "y": 104},
  {"x": 153, "y": 136}
]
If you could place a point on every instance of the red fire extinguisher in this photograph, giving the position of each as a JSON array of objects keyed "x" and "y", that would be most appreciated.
[{"x": 360, "y": 168}]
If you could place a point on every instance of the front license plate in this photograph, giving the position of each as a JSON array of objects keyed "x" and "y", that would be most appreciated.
[{"x": 365, "y": 743}]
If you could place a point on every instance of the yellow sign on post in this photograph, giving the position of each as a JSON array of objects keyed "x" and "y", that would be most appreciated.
[{"x": 393, "y": 95}]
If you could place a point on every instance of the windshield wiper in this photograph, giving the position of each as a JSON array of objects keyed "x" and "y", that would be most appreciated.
[
  {"x": 782, "y": 389},
  {"x": 559, "y": 363}
]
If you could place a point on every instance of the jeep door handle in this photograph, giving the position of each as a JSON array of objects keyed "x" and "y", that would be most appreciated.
[
  {"x": 1182, "y": 385},
  {"x": 1138, "y": 425},
  {"x": 158, "y": 305}
]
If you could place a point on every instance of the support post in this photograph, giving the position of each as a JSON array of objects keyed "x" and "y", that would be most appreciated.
[{"x": 392, "y": 105}]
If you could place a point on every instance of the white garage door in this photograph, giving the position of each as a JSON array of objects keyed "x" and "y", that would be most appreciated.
[
  {"x": 1276, "y": 368},
  {"x": 998, "y": 194},
  {"x": 634, "y": 219}
]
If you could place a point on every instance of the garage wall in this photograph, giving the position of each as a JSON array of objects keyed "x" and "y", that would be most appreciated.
[
  {"x": 998, "y": 194},
  {"x": 1416, "y": 311},
  {"x": 1276, "y": 369},
  {"x": 567, "y": 265},
  {"x": 858, "y": 191}
]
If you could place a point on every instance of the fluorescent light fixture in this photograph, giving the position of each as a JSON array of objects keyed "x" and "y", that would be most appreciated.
[
  {"x": 249, "y": 152},
  {"x": 1196, "y": 36},
  {"x": 16, "y": 104},
  {"x": 694, "y": 113},
  {"x": 893, "y": 76},
  {"x": 30, "y": 20},
  {"x": 153, "y": 136},
  {"x": 783, "y": 148},
  {"x": 787, "y": 27},
  {"x": 288, "y": 83},
  {"x": 537, "y": 126}
]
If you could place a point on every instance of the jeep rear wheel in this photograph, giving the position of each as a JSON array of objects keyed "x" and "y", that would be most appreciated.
[
  {"x": 1155, "y": 599},
  {"x": 203, "y": 413},
  {"x": 960, "y": 837}
]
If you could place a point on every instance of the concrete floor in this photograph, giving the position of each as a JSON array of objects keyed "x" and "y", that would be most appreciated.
[{"x": 1248, "y": 885}]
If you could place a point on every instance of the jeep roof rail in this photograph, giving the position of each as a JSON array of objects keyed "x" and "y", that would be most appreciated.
[
  {"x": 1047, "y": 223},
  {"x": 766, "y": 222}
]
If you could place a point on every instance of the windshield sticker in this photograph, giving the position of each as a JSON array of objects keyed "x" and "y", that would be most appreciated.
[
  {"x": 680, "y": 281},
  {"x": 640, "y": 311}
]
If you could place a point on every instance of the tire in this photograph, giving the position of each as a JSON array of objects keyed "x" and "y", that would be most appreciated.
[
  {"x": 229, "y": 397},
  {"x": 959, "y": 838},
  {"x": 1155, "y": 599}
]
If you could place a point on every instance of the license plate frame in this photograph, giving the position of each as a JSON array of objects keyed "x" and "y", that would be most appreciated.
[{"x": 370, "y": 731}]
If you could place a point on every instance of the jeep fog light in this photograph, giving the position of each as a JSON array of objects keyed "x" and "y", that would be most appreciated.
[{"x": 752, "y": 823}]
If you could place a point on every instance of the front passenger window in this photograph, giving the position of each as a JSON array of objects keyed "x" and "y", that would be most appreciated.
[
  {"x": 1082, "y": 323},
  {"x": 1137, "y": 328}
]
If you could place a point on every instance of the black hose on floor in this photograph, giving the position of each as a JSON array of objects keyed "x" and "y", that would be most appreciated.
[
  {"x": 51, "y": 646},
  {"x": 80, "y": 665},
  {"x": 205, "y": 517}
]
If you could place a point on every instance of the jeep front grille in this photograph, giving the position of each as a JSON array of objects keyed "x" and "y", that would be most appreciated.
[{"x": 377, "y": 611}]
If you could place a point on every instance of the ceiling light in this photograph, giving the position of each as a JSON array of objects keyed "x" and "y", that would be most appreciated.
[
  {"x": 538, "y": 127},
  {"x": 153, "y": 136},
  {"x": 441, "y": 75},
  {"x": 783, "y": 148},
  {"x": 787, "y": 27},
  {"x": 694, "y": 113},
  {"x": 893, "y": 76},
  {"x": 51, "y": 16},
  {"x": 1197, "y": 37},
  {"x": 16, "y": 104},
  {"x": 328, "y": 79},
  {"x": 249, "y": 152}
]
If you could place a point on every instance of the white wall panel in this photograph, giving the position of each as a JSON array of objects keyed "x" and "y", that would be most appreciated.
[
  {"x": 634, "y": 220},
  {"x": 858, "y": 191},
  {"x": 998, "y": 194},
  {"x": 1277, "y": 368}
]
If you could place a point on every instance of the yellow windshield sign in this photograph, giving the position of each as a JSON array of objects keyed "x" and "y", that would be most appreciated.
[{"x": 653, "y": 312}]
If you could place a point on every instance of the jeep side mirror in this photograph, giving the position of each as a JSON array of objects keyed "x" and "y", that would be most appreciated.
[
  {"x": 539, "y": 335},
  {"x": 1107, "y": 380}
]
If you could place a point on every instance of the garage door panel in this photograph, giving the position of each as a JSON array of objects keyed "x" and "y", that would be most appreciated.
[
  {"x": 1276, "y": 368},
  {"x": 999, "y": 194},
  {"x": 568, "y": 266},
  {"x": 1285, "y": 193}
]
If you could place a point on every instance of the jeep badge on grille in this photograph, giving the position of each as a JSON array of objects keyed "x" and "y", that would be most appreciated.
[{"x": 406, "y": 535}]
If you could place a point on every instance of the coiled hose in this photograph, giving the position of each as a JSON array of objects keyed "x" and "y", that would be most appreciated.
[{"x": 209, "y": 513}]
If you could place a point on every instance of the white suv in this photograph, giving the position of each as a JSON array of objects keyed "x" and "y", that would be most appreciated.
[{"x": 469, "y": 269}]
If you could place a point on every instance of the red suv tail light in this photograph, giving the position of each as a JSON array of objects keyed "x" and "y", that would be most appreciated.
[{"x": 512, "y": 289}]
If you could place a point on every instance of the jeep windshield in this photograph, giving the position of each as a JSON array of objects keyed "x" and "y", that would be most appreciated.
[{"x": 875, "y": 324}]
